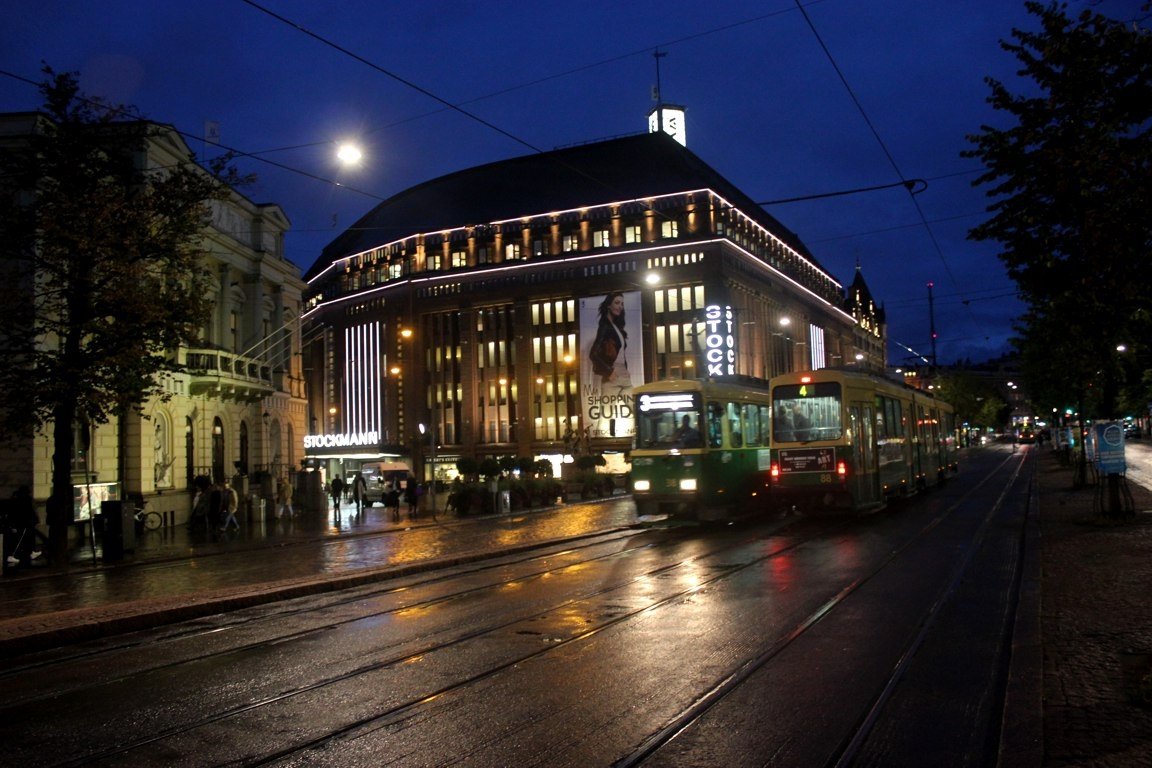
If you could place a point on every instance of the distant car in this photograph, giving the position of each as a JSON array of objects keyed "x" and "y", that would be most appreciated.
[
  {"x": 1132, "y": 430},
  {"x": 1026, "y": 436}
]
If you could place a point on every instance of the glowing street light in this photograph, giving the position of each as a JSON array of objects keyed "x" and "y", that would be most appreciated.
[{"x": 349, "y": 154}]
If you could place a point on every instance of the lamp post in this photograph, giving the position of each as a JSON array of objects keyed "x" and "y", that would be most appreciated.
[
  {"x": 432, "y": 439},
  {"x": 502, "y": 382}
]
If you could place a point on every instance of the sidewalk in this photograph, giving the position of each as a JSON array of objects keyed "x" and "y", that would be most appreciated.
[
  {"x": 1095, "y": 605},
  {"x": 175, "y": 574}
]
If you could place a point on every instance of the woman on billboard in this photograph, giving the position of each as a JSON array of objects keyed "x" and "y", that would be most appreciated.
[
  {"x": 607, "y": 354},
  {"x": 610, "y": 410}
]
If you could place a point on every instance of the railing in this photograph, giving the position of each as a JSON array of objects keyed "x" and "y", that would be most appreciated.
[{"x": 224, "y": 374}]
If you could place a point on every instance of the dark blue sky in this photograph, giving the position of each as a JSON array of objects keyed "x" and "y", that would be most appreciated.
[{"x": 766, "y": 108}]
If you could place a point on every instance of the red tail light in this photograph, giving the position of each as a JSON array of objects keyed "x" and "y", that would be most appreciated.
[
  {"x": 774, "y": 471},
  {"x": 842, "y": 469}
]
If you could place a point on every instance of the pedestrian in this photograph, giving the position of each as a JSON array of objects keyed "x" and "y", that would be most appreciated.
[
  {"x": 20, "y": 523},
  {"x": 337, "y": 490},
  {"x": 229, "y": 503},
  {"x": 392, "y": 500},
  {"x": 201, "y": 509},
  {"x": 359, "y": 491},
  {"x": 215, "y": 506},
  {"x": 284, "y": 498},
  {"x": 410, "y": 497}
]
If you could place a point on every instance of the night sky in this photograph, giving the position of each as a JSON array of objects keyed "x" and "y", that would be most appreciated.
[{"x": 767, "y": 107}]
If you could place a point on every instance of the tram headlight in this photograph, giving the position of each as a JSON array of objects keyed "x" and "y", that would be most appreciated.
[
  {"x": 642, "y": 485},
  {"x": 688, "y": 484}
]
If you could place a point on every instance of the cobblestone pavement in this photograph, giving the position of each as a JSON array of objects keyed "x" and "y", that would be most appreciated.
[{"x": 1096, "y": 607}]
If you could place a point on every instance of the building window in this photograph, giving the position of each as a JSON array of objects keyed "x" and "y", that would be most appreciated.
[
  {"x": 459, "y": 259},
  {"x": 482, "y": 255},
  {"x": 81, "y": 441},
  {"x": 234, "y": 330},
  {"x": 600, "y": 239},
  {"x": 632, "y": 233},
  {"x": 669, "y": 229},
  {"x": 539, "y": 248},
  {"x": 570, "y": 243},
  {"x": 512, "y": 252},
  {"x": 434, "y": 262}
]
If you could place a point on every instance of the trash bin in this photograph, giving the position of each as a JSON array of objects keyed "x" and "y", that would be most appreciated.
[{"x": 119, "y": 529}]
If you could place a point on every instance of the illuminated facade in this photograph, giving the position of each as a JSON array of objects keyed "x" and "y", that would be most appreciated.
[
  {"x": 238, "y": 407},
  {"x": 510, "y": 308}
]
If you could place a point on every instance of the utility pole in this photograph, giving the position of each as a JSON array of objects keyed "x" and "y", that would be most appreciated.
[{"x": 932, "y": 324}]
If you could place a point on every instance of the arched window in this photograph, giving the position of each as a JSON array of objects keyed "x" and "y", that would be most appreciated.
[{"x": 275, "y": 456}]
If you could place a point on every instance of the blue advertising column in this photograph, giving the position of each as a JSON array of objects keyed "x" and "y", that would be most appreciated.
[{"x": 1108, "y": 440}]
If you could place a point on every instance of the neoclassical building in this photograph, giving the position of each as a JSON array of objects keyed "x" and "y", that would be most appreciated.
[
  {"x": 238, "y": 408},
  {"x": 459, "y": 318}
]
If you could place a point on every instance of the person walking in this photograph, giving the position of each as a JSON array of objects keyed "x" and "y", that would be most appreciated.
[
  {"x": 359, "y": 491},
  {"x": 229, "y": 503},
  {"x": 410, "y": 497},
  {"x": 337, "y": 490},
  {"x": 21, "y": 524},
  {"x": 392, "y": 500},
  {"x": 284, "y": 498},
  {"x": 201, "y": 505}
]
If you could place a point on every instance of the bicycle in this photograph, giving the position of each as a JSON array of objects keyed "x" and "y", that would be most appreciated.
[{"x": 147, "y": 521}]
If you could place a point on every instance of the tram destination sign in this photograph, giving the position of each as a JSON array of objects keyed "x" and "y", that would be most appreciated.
[{"x": 807, "y": 460}]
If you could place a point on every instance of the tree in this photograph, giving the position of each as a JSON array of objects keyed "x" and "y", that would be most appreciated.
[
  {"x": 103, "y": 253},
  {"x": 1072, "y": 186},
  {"x": 975, "y": 400}
]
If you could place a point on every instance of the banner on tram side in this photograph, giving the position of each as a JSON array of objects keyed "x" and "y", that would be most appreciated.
[{"x": 612, "y": 362}]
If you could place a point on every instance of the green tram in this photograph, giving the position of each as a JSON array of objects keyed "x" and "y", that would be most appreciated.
[
  {"x": 702, "y": 450},
  {"x": 849, "y": 440}
]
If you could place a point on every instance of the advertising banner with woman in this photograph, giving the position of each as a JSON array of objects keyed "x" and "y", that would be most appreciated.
[{"x": 612, "y": 362}]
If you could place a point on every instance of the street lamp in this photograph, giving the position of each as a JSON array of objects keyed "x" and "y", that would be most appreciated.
[
  {"x": 499, "y": 392},
  {"x": 432, "y": 436}
]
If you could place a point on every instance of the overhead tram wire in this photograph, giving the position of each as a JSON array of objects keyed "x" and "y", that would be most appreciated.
[
  {"x": 880, "y": 141},
  {"x": 116, "y": 110}
]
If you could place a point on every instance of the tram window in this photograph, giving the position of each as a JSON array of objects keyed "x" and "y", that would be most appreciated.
[
  {"x": 753, "y": 429},
  {"x": 807, "y": 412},
  {"x": 715, "y": 424},
  {"x": 735, "y": 431},
  {"x": 661, "y": 425}
]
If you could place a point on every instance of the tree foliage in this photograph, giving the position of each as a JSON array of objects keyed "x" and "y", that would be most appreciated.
[
  {"x": 102, "y": 256},
  {"x": 1070, "y": 182}
]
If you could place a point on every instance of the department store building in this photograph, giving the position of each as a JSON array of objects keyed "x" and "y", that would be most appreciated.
[{"x": 456, "y": 319}]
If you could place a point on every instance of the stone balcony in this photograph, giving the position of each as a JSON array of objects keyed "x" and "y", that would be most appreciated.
[{"x": 226, "y": 375}]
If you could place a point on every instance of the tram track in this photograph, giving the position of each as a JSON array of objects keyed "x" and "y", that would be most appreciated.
[
  {"x": 850, "y": 747},
  {"x": 402, "y": 709},
  {"x": 140, "y": 748}
]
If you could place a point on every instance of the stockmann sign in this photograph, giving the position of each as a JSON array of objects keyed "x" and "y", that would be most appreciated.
[{"x": 342, "y": 440}]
